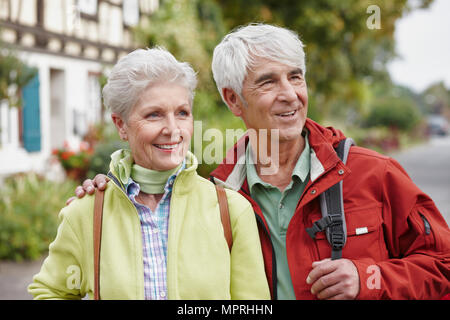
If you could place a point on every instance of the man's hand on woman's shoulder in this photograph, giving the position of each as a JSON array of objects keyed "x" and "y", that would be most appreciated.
[{"x": 89, "y": 186}]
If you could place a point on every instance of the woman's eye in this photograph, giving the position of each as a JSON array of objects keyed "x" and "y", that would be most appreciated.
[
  {"x": 153, "y": 115},
  {"x": 184, "y": 112}
]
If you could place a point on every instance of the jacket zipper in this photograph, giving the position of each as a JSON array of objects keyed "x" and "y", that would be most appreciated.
[
  {"x": 274, "y": 263},
  {"x": 118, "y": 185},
  {"x": 426, "y": 224}
]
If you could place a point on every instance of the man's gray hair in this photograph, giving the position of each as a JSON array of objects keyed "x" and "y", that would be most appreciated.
[
  {"x": 134, "y": 72},
  {"x": 236, "y": 54}
]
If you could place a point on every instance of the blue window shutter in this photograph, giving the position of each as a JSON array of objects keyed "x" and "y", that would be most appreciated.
[{"x": 31, "y": 116}]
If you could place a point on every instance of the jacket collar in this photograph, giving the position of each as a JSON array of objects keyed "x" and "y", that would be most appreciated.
[
  {"x": 232, "y": 172},
  {"x": 120, "y": 174}
]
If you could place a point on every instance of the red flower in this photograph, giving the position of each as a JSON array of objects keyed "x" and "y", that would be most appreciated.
[{"x": 65, "y": 155}]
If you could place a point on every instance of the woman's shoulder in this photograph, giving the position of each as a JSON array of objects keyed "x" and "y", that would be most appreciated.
[
  {"x": 78, "y": 211},
  {"x": 237, "y": 203},
  {"x": 232, "y": 195}
]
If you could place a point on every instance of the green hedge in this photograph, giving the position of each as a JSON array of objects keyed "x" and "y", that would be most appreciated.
[{"x": 29, "y": 207}]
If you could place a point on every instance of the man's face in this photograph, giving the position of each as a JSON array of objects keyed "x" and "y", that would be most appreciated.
[{"x": 276, "y": 98}]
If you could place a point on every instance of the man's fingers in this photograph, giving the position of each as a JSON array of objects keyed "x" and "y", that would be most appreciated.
[
  {"x": 316, "y": 263},
  {"x": 320, "y": 268},
  {"x": 323, "y": 285},
  {"x": 337, "y": 279},
  {"x": 70, "y": 200},
  {"x": 88, "y": 186},
  {"x": 329, "y": 292},
  {"x": 100, "y": 181},
  {"x": 79, "y": 192}
]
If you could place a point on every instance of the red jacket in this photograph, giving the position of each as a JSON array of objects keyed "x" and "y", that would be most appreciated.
[{"x": 407, "y": 242}]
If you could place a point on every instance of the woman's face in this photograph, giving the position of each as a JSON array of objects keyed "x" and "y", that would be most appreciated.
[{"x": 159, "y": 127}]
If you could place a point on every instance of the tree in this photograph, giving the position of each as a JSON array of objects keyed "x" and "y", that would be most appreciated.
[
  {"x": 190, "y": 29},
  {"x": 437, "y": 98},
  {"x": 397, "y": 113},
  {"x": 14, "y": 75},
  {"x": 344, "y": 57}
]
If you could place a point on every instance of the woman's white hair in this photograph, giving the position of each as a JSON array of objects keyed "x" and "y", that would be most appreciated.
[
  {"x": 236, "y": 54},
  {"x": 134, "y": 72}
]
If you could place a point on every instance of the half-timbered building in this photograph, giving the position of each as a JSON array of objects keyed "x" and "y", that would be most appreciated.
[{"x": 69, "y": 42}]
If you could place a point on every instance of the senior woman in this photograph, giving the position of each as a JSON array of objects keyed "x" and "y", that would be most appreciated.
[{"x": 162, "y": 233}]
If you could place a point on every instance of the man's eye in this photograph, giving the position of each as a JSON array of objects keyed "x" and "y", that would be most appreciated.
[
  {"x": 267, "y": 83},
  {"x": 297, "y": 78}
]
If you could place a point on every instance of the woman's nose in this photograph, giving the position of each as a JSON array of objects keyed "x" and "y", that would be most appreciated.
[{"x": 171, "y": 126}]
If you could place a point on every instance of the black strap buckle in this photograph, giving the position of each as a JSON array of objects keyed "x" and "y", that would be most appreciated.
[{"x": 321, "y": 224}]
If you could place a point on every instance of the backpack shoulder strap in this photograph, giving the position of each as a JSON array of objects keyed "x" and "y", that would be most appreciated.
[
  {"x": 332, "y": 207},
  {"x": 98, "y": 221},
  {"x": 225, "y": 215}
]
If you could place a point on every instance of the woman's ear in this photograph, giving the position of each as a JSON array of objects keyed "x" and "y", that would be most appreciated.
[
  {"x": 120, "y": 125},
  {"x": 233, "y": 101}
]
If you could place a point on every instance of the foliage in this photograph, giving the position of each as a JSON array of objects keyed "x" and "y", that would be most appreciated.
[
  {"x": 346, "y": 61},
  {"x": 14, "y": 75},
  {"x": 102, "y": 157},
  {"x": 190, "y": 30},
  {"x": 437, "y": 99},
  {"x": 344, "y": 57},
  {"x": 394, "y": 107},
  {"x": 74, "y": 160},
  {"x": 71, "y": 158},
  {"x": 28, "y": 215},
  {"x": 105, "y": 140},
  {"x": 394, "y": 113}
]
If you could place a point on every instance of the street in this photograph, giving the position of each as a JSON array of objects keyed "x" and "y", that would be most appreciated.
[{"x": 428, "y": 165}]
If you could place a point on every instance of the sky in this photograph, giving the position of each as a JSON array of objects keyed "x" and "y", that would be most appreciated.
[{"x": 423, "y": 44}]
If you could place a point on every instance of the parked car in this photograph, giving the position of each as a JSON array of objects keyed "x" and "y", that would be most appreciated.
[{"x": 438, "y": 125}]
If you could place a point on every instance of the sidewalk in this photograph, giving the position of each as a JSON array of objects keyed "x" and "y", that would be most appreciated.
[{"x": 15, "y": 278}]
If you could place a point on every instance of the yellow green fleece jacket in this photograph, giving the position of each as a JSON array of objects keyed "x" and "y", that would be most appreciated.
[{"x": 199, "y": 264}]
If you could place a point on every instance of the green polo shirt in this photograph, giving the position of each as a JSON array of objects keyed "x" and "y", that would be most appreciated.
[{"x": 278, "y": 209}]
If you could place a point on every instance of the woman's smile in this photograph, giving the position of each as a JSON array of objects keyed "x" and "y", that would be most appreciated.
[{"x": 168, "y": 147}]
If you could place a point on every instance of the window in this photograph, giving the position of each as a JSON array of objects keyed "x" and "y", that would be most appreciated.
[
  {"x": 8, "y": 125},
  {"x": 130, "y": 13},
  {"x": 88, "y": 7}
]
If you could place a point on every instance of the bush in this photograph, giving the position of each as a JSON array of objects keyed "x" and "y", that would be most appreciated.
[
  {"x": 29, "y": 206},
  {"x": 400, "y": 113},
  {"x": 102, "y": 156}
]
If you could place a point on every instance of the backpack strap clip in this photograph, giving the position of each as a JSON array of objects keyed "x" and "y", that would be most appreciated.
[
  {"x": 332, "y": 208},
  {"x": 322, "y": 224}
]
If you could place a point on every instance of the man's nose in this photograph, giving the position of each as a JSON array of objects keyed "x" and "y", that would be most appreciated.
[{"x": 287, "y": 91}]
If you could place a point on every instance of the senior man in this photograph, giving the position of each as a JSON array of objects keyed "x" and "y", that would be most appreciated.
[{"x": 398, "y": 244}]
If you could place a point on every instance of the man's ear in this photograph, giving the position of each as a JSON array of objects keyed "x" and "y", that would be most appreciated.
[
  {"x": 233, "y": 101},
  {"x": 120, "y": 125}
]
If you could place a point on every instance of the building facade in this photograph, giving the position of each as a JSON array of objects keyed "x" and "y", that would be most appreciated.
[{"x": 69, "y": 42}]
